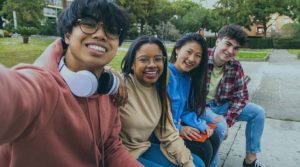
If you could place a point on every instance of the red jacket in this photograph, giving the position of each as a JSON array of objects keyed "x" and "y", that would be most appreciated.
[{"x": 43, "y": 125}]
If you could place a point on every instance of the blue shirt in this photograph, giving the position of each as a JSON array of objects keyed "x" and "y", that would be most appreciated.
[{"x": 179, "y": 85}]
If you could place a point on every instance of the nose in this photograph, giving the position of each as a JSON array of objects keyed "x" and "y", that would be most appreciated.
[
  {"x": 151, "y": 62},
  {"x": 100, "y": 34}
]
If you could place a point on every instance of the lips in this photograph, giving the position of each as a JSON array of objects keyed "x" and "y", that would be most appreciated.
[
  {"x": 151, "y": 74},
  {"x": 189, "y": 64}
]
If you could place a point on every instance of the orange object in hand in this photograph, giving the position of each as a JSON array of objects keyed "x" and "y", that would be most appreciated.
[{"x": 203, "y": 135}]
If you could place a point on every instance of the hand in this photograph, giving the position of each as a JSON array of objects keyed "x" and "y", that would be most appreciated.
[
  {"x": 209, "y": 131},
  {"x": 189, "y": 133},
  {"x": 121, "y": 97}
]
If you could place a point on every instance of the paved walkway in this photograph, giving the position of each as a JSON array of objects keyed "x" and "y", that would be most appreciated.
[{"x": 275, "y": 85}]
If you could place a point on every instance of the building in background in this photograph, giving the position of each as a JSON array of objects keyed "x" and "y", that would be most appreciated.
[{"x": 54, "y": 7}]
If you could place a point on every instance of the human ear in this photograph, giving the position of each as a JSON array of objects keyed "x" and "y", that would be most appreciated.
[
  {"x": 67, "y": 38},
  {"x": 217, "y": 41}
]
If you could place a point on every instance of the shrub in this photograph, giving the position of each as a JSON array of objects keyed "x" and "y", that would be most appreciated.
[
  {"x": 287, "y": 43},
  {"x": 26, "y": 32},
  {"x": 7, "y": 33}
]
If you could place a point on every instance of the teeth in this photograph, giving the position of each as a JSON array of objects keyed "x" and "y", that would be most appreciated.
[
  {"x": 149, "y": 72},
  {"x": 98, "y": 48}
]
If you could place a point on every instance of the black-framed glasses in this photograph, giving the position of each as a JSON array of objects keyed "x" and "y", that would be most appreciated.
[
  {"x": 90, "y": 26},
  {"x": 156, "y": 59}
]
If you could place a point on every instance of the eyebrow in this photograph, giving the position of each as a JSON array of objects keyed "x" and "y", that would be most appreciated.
[
  {"x": 235, "y": 46},
  {"x": 190, "y": 49}
]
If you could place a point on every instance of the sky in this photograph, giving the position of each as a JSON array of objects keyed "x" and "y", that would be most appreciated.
[{"x": 207, "y": 3}]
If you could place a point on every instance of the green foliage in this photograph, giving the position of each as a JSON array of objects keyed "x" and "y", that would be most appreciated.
[
  {"x": 29, "y": 12},
  {"x": 194, "y": 19},
  {"x": 26, "y": 31},
  {"x": 7, "y": 33},
  {"x": 286, "y": 43},
  {"x": 291, "y": 30},
  {"x": 259, "y": 43},
  {"x": 49, "y": 28},
  {"x": 147, "y": 12},
  {"x": 247, "y": 12},
  {"x": 211, "y": 41}
]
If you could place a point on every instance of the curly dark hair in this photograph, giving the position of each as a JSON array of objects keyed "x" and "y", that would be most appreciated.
[
  {"x": 235, "y": 32},
  {"x": 112, "y": 15}
]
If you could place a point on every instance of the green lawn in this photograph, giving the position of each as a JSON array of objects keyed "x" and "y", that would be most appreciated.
[
  {"x": 253, "y": 54},
  {"x": 295, "y": 51},
  {"x": 13, "y": 51}
]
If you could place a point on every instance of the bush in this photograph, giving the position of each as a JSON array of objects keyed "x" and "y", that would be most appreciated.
[
  {"x": 26, "y": 31},
  {"x": 286, "y": 43},
  {"x": 133, "y": 32},
  {"x": 259, "y": 43},
  {"x": 7, "y": 33},
  {"x": 211, "y": 41},
  {"x": 49, "y": 28}
]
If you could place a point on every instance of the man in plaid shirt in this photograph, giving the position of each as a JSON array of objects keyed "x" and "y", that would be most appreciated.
[{"x": 228, "y": 93}]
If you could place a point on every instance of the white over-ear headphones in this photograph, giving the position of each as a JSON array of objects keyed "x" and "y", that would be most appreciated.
[{"x": 85, "y": 83}]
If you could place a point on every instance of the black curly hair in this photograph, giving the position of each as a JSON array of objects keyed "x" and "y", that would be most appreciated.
[{"x": 112, "y": 15}]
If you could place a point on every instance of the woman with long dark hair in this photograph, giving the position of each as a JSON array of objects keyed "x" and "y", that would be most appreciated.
[{"x": 144, "y": 68}]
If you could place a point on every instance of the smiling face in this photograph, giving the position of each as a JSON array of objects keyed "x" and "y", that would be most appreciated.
[
  {"x": 148, "y": 65},
  {"x": 226, "y": 49},
  {"x": 89, "y": 52},
  {"x": 188, "y": 56}
]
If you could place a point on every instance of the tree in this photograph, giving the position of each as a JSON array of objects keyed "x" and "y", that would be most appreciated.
[
  {"x": 248, "y": 12},
  {"x": 29, "y": 12},
  {"x": 189, "y": 15},
  {"x": 147, "y": 12},
  {"x": 1, "y": 3},
  {"x": 195, "y": 18}
]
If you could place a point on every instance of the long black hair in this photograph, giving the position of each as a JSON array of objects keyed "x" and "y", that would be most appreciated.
[
  {"x": 198, "y": 75},
  {"x": 161, "y": 84}
]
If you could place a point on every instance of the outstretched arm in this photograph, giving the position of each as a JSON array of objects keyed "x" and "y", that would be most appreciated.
[{"x": 23, "y": 95}]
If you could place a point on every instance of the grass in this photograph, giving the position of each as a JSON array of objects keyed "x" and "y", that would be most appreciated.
[
  {"x": 13, "y": 51},
  {"x": 295, "y": 51},
  {"x": 253, "y": 54}
]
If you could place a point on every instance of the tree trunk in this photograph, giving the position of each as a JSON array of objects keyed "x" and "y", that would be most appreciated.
[
  {"x": 25, "y": 39},
  {"x": 265, "y": 29}
]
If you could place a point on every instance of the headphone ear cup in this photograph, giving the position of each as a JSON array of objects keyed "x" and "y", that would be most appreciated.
[
  {"x": 84, "y": 84},
  {"x": 108, "y": 83}
]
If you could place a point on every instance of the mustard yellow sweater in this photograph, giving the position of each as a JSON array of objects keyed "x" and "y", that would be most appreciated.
[{"x": 140, "y": 117}]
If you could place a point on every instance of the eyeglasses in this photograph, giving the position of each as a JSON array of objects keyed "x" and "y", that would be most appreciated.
[
  {"x": 90, "y": 26},
  {"x": 146, "y": 59}
]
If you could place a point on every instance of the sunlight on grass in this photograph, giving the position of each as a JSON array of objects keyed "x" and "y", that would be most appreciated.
[
  {"x": 13, "y": 51},
  {"x": 252, "y": 54}
]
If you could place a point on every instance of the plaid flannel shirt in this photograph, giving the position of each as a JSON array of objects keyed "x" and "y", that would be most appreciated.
[{"x": 232, "y": 89}]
